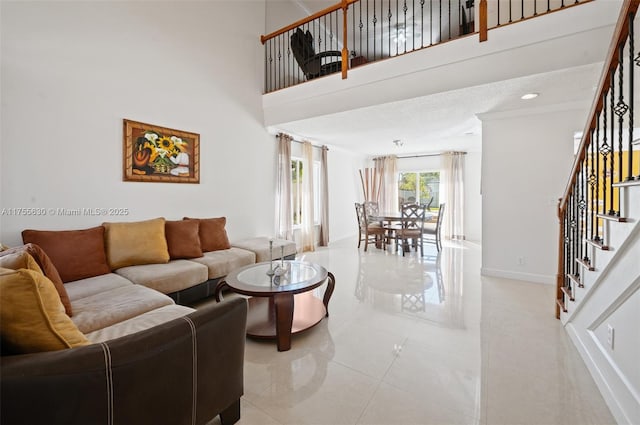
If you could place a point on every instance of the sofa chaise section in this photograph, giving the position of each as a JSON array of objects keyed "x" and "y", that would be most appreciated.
[{"x": 185, "y": 371}]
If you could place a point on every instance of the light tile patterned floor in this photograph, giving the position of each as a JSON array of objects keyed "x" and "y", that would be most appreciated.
[{"x": 425, "y": 340}]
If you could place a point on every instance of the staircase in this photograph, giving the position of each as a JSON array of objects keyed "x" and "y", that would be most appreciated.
[{"x": 598, "y": 280}]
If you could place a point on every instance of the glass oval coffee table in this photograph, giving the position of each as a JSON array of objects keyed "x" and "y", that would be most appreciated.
[{"x": 281, "y": 305}]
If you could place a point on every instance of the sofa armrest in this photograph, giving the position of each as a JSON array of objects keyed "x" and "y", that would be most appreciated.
[{"x": 185, "y": 371}]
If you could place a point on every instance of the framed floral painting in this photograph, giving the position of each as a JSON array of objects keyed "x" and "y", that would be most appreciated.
[{"x": 158, "y": 154}]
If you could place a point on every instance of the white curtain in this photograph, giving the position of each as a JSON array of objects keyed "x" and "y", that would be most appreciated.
[
  {"x": 452, "y": 181},
  {"x": 308, "y": 231},
  {"x": 284, "y": 224},
  {"x": 387, "y": 167},
  {"x": 324, "y": 199}
]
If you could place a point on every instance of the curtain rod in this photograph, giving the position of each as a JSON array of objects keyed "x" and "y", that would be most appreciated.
[
  {"x": 429, "y": 154},
  {"x": 301, "y": 142}
]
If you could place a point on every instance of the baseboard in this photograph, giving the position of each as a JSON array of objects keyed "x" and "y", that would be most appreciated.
[{"x": 527, "y": 277}]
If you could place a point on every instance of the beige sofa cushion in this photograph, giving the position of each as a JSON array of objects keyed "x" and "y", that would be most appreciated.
[
  {"x": 139, "y": 323},
  {"x": 222, "y": 262},
  {"x": 32, "y": 317},
  {"x": 108, "y": 308},
  {"x": 260, "y": 246},
  {"x": 166, "y": 278},
  {"x": 94, "y": 285},
  {"x": 136, "y": 242}
]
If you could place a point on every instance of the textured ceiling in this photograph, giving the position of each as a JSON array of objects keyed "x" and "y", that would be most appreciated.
[{"x": 443, "y": 121}]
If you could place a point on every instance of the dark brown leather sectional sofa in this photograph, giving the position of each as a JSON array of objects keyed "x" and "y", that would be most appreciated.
[{"x": 185, "y": 371}]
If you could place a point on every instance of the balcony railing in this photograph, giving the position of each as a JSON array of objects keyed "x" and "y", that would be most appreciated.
[{"x": 355, "y": 32}]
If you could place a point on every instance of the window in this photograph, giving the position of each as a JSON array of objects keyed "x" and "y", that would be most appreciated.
[
  {"x": 297, "y": 174},
  {"x": 419, "y": 187}
]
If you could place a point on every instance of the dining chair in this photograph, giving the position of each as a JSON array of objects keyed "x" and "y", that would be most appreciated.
[
  {"x": 412, "y": 226},
  {"x": 368, "y": 232},
  {"x": 435, "y": 230}
]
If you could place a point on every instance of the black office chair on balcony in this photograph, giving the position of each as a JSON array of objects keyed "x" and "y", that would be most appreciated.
[{"x": 313, "y": 64}]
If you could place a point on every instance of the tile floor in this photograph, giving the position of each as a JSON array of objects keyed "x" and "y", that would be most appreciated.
[{"x": 415, "y": 340}]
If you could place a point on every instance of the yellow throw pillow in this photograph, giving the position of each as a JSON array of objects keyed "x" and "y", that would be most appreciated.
[
  {"x": 32, "y": 317},
  {"x": 19, "y": 260},
  {"x": 135, "y": 243}
]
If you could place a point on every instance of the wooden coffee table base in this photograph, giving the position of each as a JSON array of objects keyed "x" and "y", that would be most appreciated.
[{"x": 280, "y": 316}]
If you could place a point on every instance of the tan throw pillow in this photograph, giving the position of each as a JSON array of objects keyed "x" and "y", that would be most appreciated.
[
  {"x": 76, "y": 254},
  {"x": 213, "y": 236},
  {"x": 135, "y": 243},
  {"x": 183, "y": 239},
  {"x": 19, "y": 260},
  {"x": 48, "y": 269},
  {"x": 32, "y": 318}
]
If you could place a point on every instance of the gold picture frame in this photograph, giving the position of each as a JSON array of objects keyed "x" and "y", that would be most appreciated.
[{"x": 152, "y": 153}]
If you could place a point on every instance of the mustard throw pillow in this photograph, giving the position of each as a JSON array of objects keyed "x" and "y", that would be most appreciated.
[
  {"x": 135, "y": 243},
  {"x": 32, "y": 317}
]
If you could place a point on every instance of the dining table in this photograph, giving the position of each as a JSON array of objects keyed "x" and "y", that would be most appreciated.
[{"x": 391, "y": 218}]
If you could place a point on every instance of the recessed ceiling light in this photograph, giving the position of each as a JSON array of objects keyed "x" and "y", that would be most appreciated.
[{"x": 529, "y": 96}]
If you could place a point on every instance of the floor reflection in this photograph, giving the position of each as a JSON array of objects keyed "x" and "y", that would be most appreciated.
[
  {"x": 428, "y": 288},
  {"x": 422, "y": 340}
]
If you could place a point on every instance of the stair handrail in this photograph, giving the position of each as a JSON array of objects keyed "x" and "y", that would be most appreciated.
[{"x": 619, "y": 35}]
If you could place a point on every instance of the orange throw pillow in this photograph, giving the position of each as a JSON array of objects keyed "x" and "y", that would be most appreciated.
[
  {"x": 213, "y": 236},
  {"x": 183, "y": 239},
  {"x": 76, "y": 254}
]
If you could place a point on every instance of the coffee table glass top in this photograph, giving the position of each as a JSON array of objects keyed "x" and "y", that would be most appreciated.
[{"x": 253, "y": 279}]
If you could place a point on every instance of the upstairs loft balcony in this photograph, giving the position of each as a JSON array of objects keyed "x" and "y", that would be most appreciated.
[{"x": 354, "y": 33}]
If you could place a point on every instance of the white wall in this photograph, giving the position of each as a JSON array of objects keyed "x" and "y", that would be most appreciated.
[
  {"x": 71, "y": 71},
  {"x": 344, "y": 190},
  {"x": 526, "y": 159}
]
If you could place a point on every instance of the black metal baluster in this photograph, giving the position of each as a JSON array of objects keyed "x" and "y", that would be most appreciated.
[
  {"x": 449, "y": 19},
  {"x": 592, "y": 185},
  {"x": 272, "y": 64},
  {"x": 567, "y": 252},
  {"x": 604, "y": 151},
  {"x": 612, "y": 210},
  {"x": 389, "y": 16},
  {"x": 374, "y": 21},
  {"x": 583, "y": 211},
  {"x": 535, "y": 7},
  {"x": 620, "y": 110},
  {"x": 421, "y": 24},
  {"x": 404, "y": 9},
  {"x": 413, "y": 25},
  {"x": 548, "y": 6},
  {"x": 397, "y": 28},
  {"x": 498, "y": 13},
  {"x": 430, "y": 22},
  {"x": 522, "y": 9},
  {"x": 631, "y": 105},
  {"x": 440, "y": 19},
  {"x": 574, "y": 229},
  {"x": 367, "y": 29},
  {"x": 596, "y": 159},
  {"x": 361, "y": 25}
]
